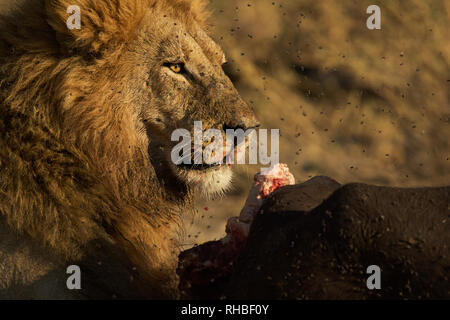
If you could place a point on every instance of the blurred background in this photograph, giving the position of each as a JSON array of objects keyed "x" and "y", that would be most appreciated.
[{"x": 355, "y": 104}]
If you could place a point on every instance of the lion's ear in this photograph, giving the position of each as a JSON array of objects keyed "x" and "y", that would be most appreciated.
[{"x": 92, "y": 25}]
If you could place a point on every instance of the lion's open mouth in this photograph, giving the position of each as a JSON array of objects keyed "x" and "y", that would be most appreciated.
[
  {"x": 203, "y": 166},
  {"x": 207, "y": 179}
]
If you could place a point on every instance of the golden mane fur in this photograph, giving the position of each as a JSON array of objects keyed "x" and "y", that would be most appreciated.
[
  {"x": 84, "y": 115},
  {"x": 52, "y": 182}
]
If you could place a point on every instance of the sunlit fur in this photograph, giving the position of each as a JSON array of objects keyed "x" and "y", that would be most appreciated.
[
  {"x": 211, "y": 183},
  {"x": 85, "y": 121}
]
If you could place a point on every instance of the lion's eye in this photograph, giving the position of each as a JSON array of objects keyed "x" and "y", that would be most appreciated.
[{"x": 176, "y": 67}]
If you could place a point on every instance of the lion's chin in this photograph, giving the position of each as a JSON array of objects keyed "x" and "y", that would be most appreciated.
[{"x": 209, "y": 182}]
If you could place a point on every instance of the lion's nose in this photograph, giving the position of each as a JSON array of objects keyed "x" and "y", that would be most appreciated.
[
  {"x": 250, "y": 121},
  {"x": 242, "y": 118},
  {"x": 245, "y": 124}
]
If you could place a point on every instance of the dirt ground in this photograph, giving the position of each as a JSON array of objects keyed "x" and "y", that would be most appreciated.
[{"x": 351, "y": 103}]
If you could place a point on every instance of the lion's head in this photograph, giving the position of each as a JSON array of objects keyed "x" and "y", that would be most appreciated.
[
  {"x": 86, "y": 122},
  {"x": 146, "y": 68}
]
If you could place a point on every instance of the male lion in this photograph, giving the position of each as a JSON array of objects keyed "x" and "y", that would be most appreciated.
[{"x": 86, "y": 120}]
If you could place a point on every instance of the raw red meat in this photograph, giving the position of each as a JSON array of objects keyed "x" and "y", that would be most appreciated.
[{"x": 202, "y": 265}]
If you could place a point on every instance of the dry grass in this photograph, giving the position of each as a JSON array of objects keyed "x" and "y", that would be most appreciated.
[{"x": 351, "y": 103}]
